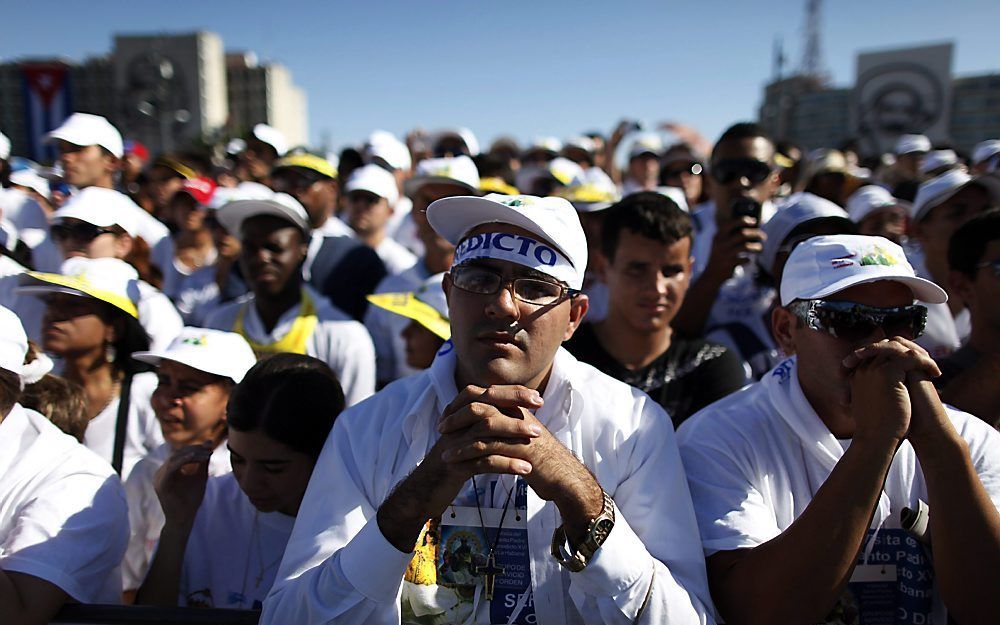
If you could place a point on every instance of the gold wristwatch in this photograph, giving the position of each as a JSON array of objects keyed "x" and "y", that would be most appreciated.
[{"x": 597, "y": 532}]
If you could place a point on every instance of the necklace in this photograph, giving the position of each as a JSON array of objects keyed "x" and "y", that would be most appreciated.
[
  {"x": 261, "y": 569},
  {"x": 490, "y": 569}
]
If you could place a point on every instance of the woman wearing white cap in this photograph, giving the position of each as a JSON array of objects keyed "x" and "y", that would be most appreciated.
[
  {"x": 195, "y": 376},
  {"x": 91, "y": 324},
  {"x": 63, "y": 522},
  {"x": 225, "y": 536}
]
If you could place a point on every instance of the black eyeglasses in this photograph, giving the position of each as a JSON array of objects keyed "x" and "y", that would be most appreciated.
[
  {"x": 482, "y": 281},
  {"x": 854, "y": 322},
  {"x": 993, "y": 264},
  {"x": 730, "y": 169},
  {"x": 694, "y": 169},
  {"x": 80, "y": 231}
]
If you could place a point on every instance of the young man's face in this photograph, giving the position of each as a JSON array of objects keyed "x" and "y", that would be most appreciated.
[
  {"x": 367, "y": 213},
  {"x": 500, "y": 339},
  {"x": 86, "y": 165},
  {"x": 644, "y": 167},
  {"x": 647, "y": 281},
  {"x": 935, "y": 229},
  {"x": 272, "y": 253},
  {"x": 751, "y": 160}
]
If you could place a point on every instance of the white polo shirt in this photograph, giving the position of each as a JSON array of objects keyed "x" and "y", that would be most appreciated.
[
  {"x": 63, "y": 516},
  {"x": 337, "y": 340},
  {"x": 339, "y": 567}
]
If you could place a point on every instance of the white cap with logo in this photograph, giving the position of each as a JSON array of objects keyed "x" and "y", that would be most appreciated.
[
  {"x": 86, "y": 129},
  {"x": 225, "y": 354},
  {"x": 374, "y": 179},
  {"x": 825, "y": 265},
  {"x": 562, "y": 252}
]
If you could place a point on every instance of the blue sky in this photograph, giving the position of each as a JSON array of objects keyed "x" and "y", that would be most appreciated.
[{"x": 518, "y": 67}]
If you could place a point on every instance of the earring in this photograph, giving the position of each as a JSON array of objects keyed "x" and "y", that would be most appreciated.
[{"x": 109, "y": 352}]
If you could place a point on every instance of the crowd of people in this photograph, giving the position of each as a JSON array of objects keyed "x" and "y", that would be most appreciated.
[{"x": 423, "y": 382}]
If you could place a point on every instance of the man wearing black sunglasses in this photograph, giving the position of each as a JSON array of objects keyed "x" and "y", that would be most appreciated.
[
  {"x": 836, "y": 472},
  {"x": 742, "y": 180}
]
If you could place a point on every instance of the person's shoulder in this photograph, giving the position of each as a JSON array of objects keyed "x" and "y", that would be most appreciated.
[
  {"x": 977, "y": 434},
  {"x": 735, "y": 416},
  {"x": 621, "y": 405},
  {"x": 223, "y": 316},
  {"x": 699, "y": 354},
  {"x": 67, "y": 456},
  {"x": 401, "y": 282},
  {"x": 386, "y": 410}
]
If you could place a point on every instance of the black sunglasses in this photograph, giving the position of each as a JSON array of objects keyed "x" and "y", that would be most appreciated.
[
  {"x": 694, "y": 169},
  {"x": 730, "y": 169},
  {"x": 80, "y": 231},
  {"x": 855, "y": 322}
]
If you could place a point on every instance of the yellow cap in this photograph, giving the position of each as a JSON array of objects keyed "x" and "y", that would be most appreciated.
[
  {"x": 407, "y": 305},
  {"x": 81, "y": 286},
  {"x": 315, "y": 163},
  {"x": 497, "y": 185}
]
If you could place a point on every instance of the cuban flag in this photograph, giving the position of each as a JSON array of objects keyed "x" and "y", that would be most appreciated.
[{"x": 47, "y": 102}]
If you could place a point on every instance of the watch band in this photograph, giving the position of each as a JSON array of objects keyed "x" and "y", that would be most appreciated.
[{"x": 597, "y": 532}]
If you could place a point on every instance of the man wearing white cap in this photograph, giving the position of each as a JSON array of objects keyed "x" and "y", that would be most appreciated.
[
  {"x": 643, "y": 172},
  {"x": 384, "y": 149},
  {"x": 820, "y": 477},
  {"x": 195, "y": 375},
  {"x": 910, "y": 151},
  {"x": 265, "y": 145},
  {"x": 90, "y": 149},
  {"x": 579, "y": 471},
  {"x": 282, "y": 313},
  {"x": 877, "y": 213},
  {"x": 371, "y": 198},
  {"x": 434, "y": 178},
  {"x": 942, "y": 205},
  {"x": 64, "y": 521}
]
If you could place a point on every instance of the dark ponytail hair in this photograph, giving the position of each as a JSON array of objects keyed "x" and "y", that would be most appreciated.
[{"x": 291, "y": 398}]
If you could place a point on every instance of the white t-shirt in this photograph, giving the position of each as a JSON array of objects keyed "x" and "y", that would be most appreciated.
[
  {"x": 338, "y": 340},
  {"x": 386, "y": 327},
  {"x": 234, "y": 550},
  {"x": 63, "y": 516},
  {"x": 340, "y": 568},
  {"x": 756, "y": 458},
  {"x": 142, "y": 433},
  {"x": 396, "y": 258},
  {"x": 145, "y": 516}
]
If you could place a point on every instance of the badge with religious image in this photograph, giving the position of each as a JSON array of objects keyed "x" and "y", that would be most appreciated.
[{"x": 466, "y": 564}]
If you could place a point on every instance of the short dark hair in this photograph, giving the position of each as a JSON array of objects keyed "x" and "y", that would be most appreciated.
[
  {"x": 647, "y": 213},
  {"x": 10, "y": 391},
  {"x": 741, "y": 130},
  {"x": 291, "y": 398},
  {"x": 968, "y": 244}
]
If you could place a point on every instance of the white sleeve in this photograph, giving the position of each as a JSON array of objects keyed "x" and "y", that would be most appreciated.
[
  {"x": 338, "y": 567},
  {"x": 351, "y": 355},
  {"x": 652, "y": 561},
  {"x": 136, "y": 562},
  {"x": 73, "y": 534}
]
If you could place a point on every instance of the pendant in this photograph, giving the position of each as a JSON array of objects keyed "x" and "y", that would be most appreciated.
[{"x": 489, "y": 571}]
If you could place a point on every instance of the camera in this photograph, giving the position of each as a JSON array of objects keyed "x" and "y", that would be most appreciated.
[{"x": 745, "y": 207}]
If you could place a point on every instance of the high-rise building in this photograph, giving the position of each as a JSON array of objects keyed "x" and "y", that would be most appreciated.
[{"x": 264, "y": 93}]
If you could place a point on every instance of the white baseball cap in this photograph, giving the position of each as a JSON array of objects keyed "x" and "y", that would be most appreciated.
[
  {"x": 374, "y": 179},
  {"x": 271, "y": 136},
  {"x": 225, "y": 354},
  {"x": 107, "y": 279},
  {"x": 456, "y": 170},
  {"x": 233, "y": 213},
  {"x": 647, "y": 143},
  {"x": 912, "y": 143},
  {"x": 552, "y": 218},
  {"x": 30, "y": 178},
  {"x": 13, "y": 342},
  {"x": 795, "y": 211},
  {"x": 101, "y": 207},
  {"x": 824, "y": 265},
  {"x": 867, "y": 200},
  {"x": 385, "y": 146},
  {"x": 86, "y": 129},
  {"x": 941, "y": 188},
  {"x": 982, "y": 151},
  {"x": 4, "y": 147},
  {"x": 936, "y": 159}
]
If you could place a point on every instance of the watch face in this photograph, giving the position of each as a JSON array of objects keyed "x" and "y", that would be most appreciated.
[{"x": 603, "y": 528}]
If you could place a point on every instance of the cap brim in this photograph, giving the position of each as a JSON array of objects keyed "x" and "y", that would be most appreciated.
[
  {"x": 453, "y": 217},
  {"x": 406, "y": 305},
  {"x": 188, "y": 360},
  {"x": 923, "y": 290},
  {"x": 411, "y": 186},
  {"x": 35, "y": 282},
  {"x": 990, "y": 183},
  {"x": 232, "y": 214},
  {"x": 591, "y": 207}
]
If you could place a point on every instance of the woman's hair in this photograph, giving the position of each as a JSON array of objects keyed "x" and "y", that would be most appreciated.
[
  {"x": 291, "y": 398},
  {"x": 61, "y": 401},
  {"x": 130, "y": 337},
  {"x": 10, "y": 391}
]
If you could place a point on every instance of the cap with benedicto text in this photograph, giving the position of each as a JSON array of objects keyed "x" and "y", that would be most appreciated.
[
  {"x": 825, "y": 265},
  {"x": 561, "y": 251}
]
